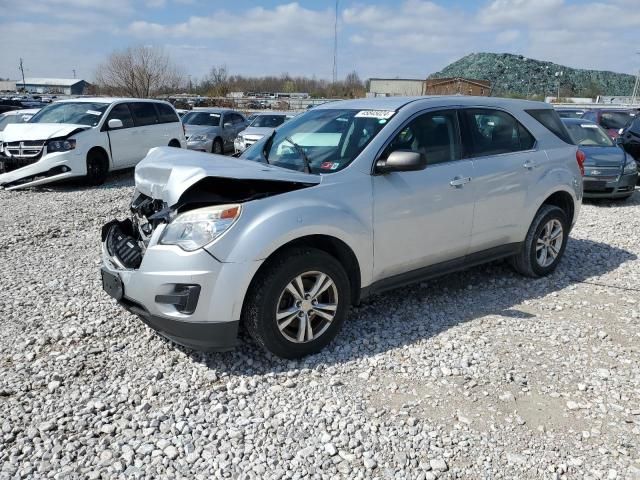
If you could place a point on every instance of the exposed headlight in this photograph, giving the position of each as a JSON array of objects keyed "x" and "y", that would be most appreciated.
[
  {"x": 198, "y": 138},
  {"x": 61, "y": 145},
  {"x": 196, "y": 228},
  {"x": 630, "y": 166}
]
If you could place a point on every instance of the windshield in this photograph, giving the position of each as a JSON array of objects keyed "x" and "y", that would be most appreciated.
[
  {"x": 78, "y": 113},
  {"x": 202, "y": 118},
  {"x": 615, "y": 120},
  {"x": 328, "y": 140},
  {"x": 269, "y": 121},
  {"x": 588, "y": 134}
]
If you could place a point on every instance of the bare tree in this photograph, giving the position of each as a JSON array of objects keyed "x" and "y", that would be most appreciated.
[
  {"x": 139, "y": 72},
  {"x": 217, "y": 82}
]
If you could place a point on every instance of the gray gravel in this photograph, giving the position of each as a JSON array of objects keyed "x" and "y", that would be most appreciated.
[{"x": 481, "y": 374}]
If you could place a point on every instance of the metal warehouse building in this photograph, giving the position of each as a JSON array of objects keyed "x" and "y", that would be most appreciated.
[
  {"x": 390, "y": 87},
  {"x": 63, "y": 86}
]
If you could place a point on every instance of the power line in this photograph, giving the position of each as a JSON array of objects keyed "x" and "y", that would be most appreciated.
[{"x": 335, "y": 46}]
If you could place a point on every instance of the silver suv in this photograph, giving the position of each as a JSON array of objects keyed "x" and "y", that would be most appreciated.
[{"x": 349, "y": 199}]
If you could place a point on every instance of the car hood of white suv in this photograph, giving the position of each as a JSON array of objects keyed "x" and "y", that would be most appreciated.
[
  {"x": 166, "y": 172},
  {"x": 17, "y": 132}
]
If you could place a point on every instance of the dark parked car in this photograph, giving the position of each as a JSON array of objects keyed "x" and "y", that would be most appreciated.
[
  {"x": 629, "y": 138},
  {"x": 612, "y": 120},
  {"x": 609, "y": 172}
]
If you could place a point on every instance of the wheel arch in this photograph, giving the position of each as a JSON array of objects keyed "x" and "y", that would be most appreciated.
[
  {"x": 100, "y": 150},
  {"x": 329, "y": 244},
  {"x": 563, "y": 200},
  {"x": 174, "y": 142}
]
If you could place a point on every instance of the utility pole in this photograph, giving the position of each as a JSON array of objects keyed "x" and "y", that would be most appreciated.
[
  {"x": 74, "y": 73},
  {"x": 636, "y": 87},
  {"x": 335, "y": 46},
  {"x": 21, "y": 67}
]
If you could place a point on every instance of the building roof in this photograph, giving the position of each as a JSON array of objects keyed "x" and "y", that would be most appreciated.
[
  {"x": 431, "y": 82},
  {"x": 57, "y": 82}
]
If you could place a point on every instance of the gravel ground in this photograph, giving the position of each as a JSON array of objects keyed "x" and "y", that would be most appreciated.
[{"x": 481, "y": 374}]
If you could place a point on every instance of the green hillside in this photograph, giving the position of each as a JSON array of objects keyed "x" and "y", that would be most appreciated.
[{"x": 517, "y": 75}]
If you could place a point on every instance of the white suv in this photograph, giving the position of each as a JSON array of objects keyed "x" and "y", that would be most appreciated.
[{"x": 85, "y": 137}]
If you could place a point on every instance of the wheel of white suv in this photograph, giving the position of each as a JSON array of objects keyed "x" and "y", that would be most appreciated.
[
  {"x": 545, "y": 243},
  {"x": 298, "y": 303}
]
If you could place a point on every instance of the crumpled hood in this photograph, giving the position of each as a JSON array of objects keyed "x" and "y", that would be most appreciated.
[
  {"x": 15, "y": 132},
  {"x": 262, "y": 131},
  {"x": 603, "y": 156},
  {"x": 198, "y": 130},
  {"x": 167, "y": 172}
]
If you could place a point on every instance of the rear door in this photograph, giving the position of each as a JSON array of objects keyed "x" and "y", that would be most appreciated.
[
  {"x": 148, "y": 131},
  {"x": 169, "y": 128},
  {"x": 505, "y": 162},
  {"x": 123, "y": 141},
  {"x": 423, "y": 218}
]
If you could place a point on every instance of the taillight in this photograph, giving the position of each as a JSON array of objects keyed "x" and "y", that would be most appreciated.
[{"x": 580, "y": 158}]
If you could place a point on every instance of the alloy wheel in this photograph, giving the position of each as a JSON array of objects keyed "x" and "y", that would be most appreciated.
[
  {"x": 549, "y": 243},
  {"x": 307, "y": 306}
]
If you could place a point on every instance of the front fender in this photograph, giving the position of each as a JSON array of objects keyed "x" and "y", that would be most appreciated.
[{"x": 268, "y": 224}]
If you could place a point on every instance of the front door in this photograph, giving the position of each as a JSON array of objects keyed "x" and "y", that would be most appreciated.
[
  {"x": 124, "y": 142},
  {"x": 424, "y": 218}
]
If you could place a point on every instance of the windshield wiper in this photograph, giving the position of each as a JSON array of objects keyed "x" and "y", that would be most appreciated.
[{"x": 305, "y": 159}]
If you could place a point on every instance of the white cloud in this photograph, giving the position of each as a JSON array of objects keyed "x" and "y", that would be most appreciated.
[{"x": 507, "y": 36}]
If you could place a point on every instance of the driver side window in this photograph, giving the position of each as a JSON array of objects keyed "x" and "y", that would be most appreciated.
[
  {"x": 121, "y": 112},
  {"x": 434, "y": 135}
]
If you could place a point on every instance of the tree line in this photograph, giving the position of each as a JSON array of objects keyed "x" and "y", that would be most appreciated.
[{"x": 143, "y": 72}]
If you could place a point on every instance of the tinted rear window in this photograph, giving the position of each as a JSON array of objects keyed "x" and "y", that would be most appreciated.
[
  {"x": 166, "y": 114},
  {"x": 551, "y": 121},
  {"x": 143, "y": 113}
]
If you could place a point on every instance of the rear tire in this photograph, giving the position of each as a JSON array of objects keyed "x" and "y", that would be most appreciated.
[
  {"x": 285, "y": 314},
  {"x": 97, "y": 167},
  {"x": 545, "y": 243},
  {"x": 216, "y": 147},
  {"x": 174, "y": 143}
]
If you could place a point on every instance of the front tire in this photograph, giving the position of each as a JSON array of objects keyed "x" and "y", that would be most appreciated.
[
  {"x": 216, "y": 147},
  {"x": 298, "y": 303},
  {"x": 97, "y": 167},
  {"x": 545, "y": 243}
]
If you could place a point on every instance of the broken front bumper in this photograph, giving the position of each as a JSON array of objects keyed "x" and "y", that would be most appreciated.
[{"x": 189, "y": 297}]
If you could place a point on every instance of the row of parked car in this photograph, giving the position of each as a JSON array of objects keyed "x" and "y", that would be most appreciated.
[
  {"x": 92, "y": 136},
  {"x": 609, "y": 139}
]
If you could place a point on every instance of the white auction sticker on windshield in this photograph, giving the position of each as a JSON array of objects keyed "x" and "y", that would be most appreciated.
[
  {"x": 588, "y": 125},
  {"x": 383, "y": 114},
  {"x": 94, "y": 112},
  {"x": 214, "y": 115}
]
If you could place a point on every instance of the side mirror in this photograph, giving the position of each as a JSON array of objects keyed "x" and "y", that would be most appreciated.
[
  {"x": 402, "y": 161},
  {"x": 227, "y": 125},
  {"x": 115, "y": 123}
]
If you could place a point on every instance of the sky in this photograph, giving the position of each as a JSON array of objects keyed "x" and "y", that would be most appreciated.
[{"x": 376, "y": 38}]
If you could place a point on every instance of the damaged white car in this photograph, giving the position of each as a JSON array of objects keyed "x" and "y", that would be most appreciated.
[{"x": 85, "y": 137}]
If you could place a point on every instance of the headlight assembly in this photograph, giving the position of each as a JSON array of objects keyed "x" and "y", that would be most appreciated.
[
  {"x": 61, "y": 145},
  {"x": 630, "y": 166},
  {"x": 196, "y": 228}
]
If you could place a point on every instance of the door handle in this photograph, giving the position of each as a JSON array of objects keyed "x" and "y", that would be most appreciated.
[
  {"x": 529, "y": 165},
  {"x": 459, "y": 181}
]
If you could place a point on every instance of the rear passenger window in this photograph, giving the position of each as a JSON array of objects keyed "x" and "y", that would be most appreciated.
[
  {"x": 166, "y": 114},
  {"x": 144, "y": 113},
  {"x": 121, "y": 112},
  {"x": 494, "y": 132},
  {"x": 550, "y": 119},
  {"x": 433, "y": 134}
]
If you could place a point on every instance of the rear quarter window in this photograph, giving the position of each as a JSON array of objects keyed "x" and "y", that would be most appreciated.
[{"x": 550, "y": 119}]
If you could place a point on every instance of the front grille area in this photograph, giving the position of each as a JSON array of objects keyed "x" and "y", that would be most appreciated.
[
  {"x": 121, "y": 245},
  {"x": 14, "y": 155}
]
